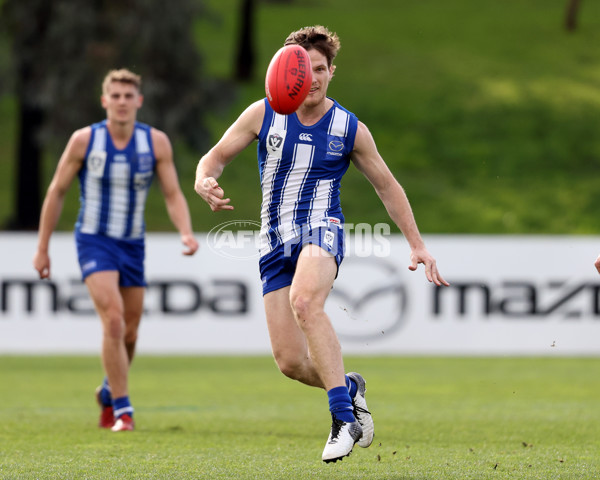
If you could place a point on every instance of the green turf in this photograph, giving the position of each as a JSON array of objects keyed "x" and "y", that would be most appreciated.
[{"x": 228, "y": 418}]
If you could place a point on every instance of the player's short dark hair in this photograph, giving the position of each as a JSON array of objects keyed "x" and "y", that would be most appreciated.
[{"x": 318, "y": 38}]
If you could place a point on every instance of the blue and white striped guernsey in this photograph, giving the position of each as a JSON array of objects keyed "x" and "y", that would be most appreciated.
[
  {"x": 300, "y": 172},
  {"x": 114, "y": 184}
]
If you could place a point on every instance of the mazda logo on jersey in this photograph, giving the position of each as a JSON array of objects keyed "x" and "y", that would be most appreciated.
[
  {"x": 368, "y": 300},
  {"x": 336, "y": 145},
  {"x": 145, "y": 163}
]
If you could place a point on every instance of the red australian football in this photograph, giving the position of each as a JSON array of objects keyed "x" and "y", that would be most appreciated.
[{"x": 288, "y": 79}]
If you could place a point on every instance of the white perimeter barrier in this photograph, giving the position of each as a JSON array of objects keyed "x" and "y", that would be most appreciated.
[{"x": 510, "y": 295}]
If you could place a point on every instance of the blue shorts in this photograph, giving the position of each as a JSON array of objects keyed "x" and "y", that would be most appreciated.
[
  {"x": 99, "y": 253},
  {"x": 277, "y": 267}
]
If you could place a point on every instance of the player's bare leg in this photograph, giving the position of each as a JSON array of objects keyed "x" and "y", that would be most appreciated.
[
  {"x": 133, "y": 303},
  {"x": 315, "y": 273},
  {"x": 288, "y": 342},
  {"x": 104, "y": 290},
  {"x": 313, "y": 279}
]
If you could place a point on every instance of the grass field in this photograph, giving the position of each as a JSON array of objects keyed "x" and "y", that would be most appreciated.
[{"x": 239, "y": 418}]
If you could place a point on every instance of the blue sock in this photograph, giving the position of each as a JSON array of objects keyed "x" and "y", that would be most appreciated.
[
  {"x": 352, "y": 387},
  {"x": 340, "y": 404},
  {"x": 122, "y": 406},
  {"x": 105, "y": 396}
]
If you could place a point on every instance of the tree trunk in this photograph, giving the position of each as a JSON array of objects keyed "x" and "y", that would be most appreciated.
[
  {"x": 29, "y": 23},
  {"x": 571, "y": 15},
  {"x": 246, "y": 54},
  {"x": 28, "y": 175}
]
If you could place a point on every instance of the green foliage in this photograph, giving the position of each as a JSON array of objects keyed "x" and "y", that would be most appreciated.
[
  {"x": 238, "y": 417},
  {"x": 7, "y": 154},
  {"x": 487, "y": 112},
  {"x": 63, "y": 49}
]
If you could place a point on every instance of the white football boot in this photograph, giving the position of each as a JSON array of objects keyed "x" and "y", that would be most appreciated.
[
  {"x": 341, "y": 440},
  {"x": 360, "y": 411}
]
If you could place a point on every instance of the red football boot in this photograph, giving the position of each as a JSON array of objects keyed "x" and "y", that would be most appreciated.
[
  {"x": 107, "y": 419},
  {"x": 123, "y": 424}
]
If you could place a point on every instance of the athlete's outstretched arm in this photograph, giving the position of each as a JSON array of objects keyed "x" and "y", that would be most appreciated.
[
  {"x": 177, "y": 206},
  {"x": 368, "y": 160},
  {"x": 68, "y": 166},
  {"x": 210, "y": 167}
]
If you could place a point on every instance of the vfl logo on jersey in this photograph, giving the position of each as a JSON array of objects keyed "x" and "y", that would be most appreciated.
[
  {"x": 96, "y": 162},
  {"x": 305, "y": 137},
  {"x": 275, "y": 141},
  {"x": 335, "y": 148}
]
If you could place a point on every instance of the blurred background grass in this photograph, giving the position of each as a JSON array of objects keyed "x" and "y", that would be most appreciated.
[{"x": 487, "y": 112}]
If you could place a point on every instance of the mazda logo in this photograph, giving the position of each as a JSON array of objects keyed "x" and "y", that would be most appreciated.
[
  {"x": 336, "y": 146},
  {"x": 368, "y": 300}
]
